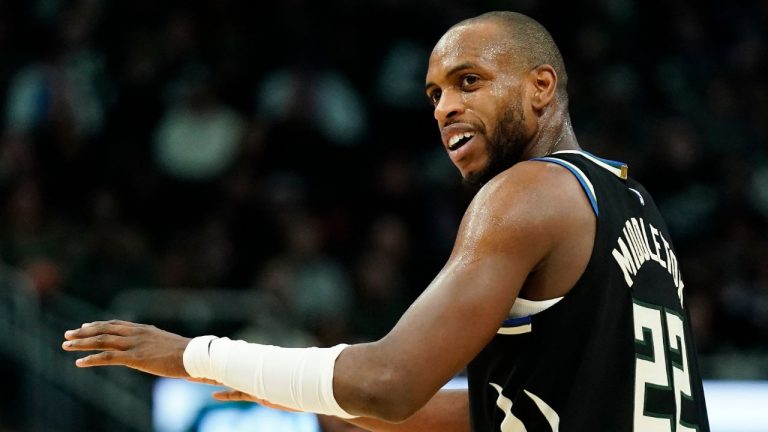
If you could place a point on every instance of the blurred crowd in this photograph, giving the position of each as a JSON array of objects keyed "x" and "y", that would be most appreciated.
[{"x": 288, "y": 148}]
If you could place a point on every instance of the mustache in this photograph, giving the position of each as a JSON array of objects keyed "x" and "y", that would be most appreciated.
[{"x": 476, "y": 126}]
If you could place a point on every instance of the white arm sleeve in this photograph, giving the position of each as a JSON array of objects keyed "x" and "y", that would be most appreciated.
[{"x": 296, "y": 378}]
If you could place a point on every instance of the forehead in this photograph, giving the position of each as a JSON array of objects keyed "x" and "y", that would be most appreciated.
[{"x": 480, "y": 43}]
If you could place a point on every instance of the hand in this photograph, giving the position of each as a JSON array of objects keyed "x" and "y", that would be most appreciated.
[{"x": 138, "y": 346}]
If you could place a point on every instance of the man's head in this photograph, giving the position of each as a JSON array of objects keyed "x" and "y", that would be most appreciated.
[{"x": 495, "y": 80}]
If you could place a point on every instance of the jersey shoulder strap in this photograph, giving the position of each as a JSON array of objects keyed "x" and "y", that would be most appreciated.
[{"x": 573, "y": 161}]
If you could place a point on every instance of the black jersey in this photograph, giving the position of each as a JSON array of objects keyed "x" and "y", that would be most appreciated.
[{"x": 616, "y": 353}]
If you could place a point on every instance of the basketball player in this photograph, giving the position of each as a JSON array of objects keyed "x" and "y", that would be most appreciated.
[{"x": 563, "y": 295}]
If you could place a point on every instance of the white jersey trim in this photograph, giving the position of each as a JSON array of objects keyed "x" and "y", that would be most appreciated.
[
  {"x": 525, "y": 328},
  {"x": 614, "y": 170},
  {"x": 523, "y": 307},
  {"x": 519, "y": 320}
]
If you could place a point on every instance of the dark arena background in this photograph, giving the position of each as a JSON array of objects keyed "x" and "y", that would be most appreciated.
[{"x": 272, "y": 171}]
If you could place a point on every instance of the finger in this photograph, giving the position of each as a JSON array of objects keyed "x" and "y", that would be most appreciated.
[
  {"x": 203, "y": 381},
  {"x": 113, "y": 322},
  {"x": 106, "y": 358},
  {"x": 98, "y": 342},
  {"x": 114, "y": 327},
  {"x": 232, "y": 395},
  {"x": 238, "y": 396},
  {"x": 278, "y": 407}
]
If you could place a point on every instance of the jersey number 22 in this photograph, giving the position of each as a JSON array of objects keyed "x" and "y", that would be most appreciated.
[{"x": 655, "y": 329}]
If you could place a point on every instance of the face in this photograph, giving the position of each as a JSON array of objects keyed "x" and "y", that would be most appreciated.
[{"x": 478, "y": 100}]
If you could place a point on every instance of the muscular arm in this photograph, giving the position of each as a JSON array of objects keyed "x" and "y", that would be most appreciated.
[
  {"x": 511, "y": 228},
  {"x": 513, "y": 231}
]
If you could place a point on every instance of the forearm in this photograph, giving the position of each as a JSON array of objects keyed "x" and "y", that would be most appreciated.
[
  {"x": 447, "y": 411},
  {"x": 363, "y": 380}
]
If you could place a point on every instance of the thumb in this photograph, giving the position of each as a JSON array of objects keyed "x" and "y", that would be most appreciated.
[
  {"x": 233, "y": 395},
  {"x": 236, "y": 395}
]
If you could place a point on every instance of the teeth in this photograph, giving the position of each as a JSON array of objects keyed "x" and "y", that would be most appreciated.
[{"x": 458, "y": 137}]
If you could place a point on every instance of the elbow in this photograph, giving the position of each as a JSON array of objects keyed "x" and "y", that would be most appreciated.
[
  {"x": 396, "y": 410},
  {"x": 389, "y": 396}
]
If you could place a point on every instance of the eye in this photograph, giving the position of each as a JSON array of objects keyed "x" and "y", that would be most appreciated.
[
  {"x": 469, "y": 80},
  {"x": 434, "y": 97}
]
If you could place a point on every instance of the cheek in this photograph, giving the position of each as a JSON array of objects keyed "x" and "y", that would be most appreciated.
[
  {"x": 530, "y": 121},
  {"x": 505, "y": 94},
  {"x": 496, "y": 117},
  {"x": 504, "y": 87},
  {"x": 530, "y": 117}
]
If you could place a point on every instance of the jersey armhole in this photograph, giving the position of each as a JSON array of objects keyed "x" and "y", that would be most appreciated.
[{"x": 586, "y": 185}]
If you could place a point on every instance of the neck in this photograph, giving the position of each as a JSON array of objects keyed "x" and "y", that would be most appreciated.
[{"x": 556, "y": 133}]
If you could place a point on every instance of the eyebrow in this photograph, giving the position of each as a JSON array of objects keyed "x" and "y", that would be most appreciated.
[{"x": 453, "y": 71}]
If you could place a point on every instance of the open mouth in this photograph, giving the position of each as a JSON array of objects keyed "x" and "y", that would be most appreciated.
[{"x": 459, "y": 140}]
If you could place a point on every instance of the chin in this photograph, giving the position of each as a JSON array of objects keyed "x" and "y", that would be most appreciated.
[
  {"x": 477, "y": 172},
  {"x": 477, "y": 178}
]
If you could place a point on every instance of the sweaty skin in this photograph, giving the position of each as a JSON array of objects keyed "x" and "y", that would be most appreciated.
[{"x": 528, "y": 232}]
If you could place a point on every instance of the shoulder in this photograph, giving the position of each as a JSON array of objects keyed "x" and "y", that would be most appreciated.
[
  {"x": 547, "y": 189},
  {"x": 533, "y": 204}
]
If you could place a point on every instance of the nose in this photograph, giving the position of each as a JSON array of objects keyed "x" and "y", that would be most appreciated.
[{"x": 449, "y": 106}]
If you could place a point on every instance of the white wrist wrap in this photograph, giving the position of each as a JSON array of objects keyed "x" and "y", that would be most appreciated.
[{"x": 297, "y": 378}]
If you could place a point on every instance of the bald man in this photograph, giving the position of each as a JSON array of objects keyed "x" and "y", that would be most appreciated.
[{"x": 562, "y": 296}]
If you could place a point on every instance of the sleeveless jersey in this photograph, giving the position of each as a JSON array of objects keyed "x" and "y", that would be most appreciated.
[{"x": 614, "y": 354}]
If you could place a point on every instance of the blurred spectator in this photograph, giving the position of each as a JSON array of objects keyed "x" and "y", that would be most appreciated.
[
  {"x": 198, "y": 138},
  {"x": 322, "y": 99},
  {"x": 381, "y": 277},
  {"x": 39, "y": 246},
  {"x": 114, "y": 258},
  {"x": 313, "y": 286}
]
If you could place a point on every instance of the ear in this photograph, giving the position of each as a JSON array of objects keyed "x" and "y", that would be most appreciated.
[{"x": 544, "y": 81}]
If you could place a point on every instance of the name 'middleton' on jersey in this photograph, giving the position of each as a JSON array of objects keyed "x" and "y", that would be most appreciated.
[{"x": 614, "y": 354}]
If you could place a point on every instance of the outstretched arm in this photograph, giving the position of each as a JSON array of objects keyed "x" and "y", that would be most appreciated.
[
  {"x": 136, "y": 345},
  {"x": 511, "y": 228}
]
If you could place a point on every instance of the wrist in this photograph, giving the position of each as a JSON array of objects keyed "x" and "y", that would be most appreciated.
[
  {"x": 196, "y": 357},
  {"x": 295, "y": 378}
]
